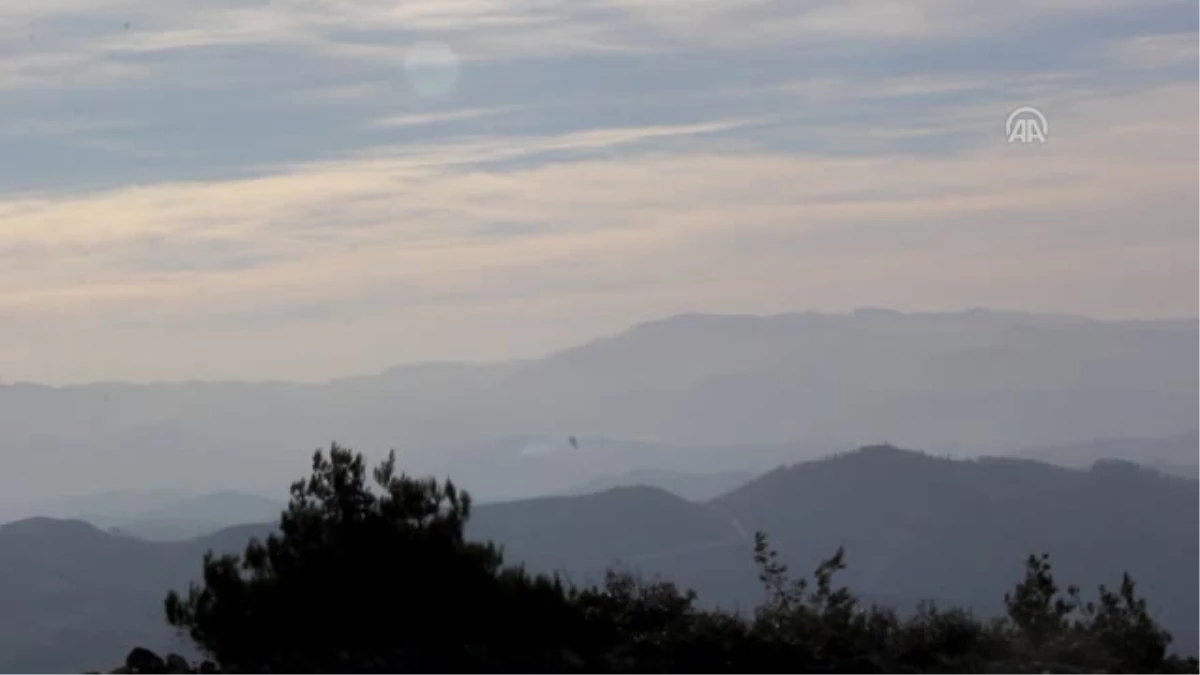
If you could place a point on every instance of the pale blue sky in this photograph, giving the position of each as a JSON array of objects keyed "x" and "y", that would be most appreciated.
[{"x": 275, "y": 188}]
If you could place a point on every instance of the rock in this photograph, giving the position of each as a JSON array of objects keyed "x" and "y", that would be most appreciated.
[
  {"x": 177, "y": 665},
  {"x": 142, "y": 660}
]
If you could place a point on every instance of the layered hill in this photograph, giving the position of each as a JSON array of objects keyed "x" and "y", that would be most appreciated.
[
  {"x": 695, "y": 393},
  {"x": 914, "y": 527},
  {"x": 1178, "y": 454}
]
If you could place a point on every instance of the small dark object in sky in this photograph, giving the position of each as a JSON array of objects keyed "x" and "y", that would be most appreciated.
[
  {"x": 127, "y": 25},
  {"x": 574, "y": 442}
]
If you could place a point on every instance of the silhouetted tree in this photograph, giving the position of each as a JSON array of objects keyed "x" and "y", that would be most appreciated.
[
  {"x": 1036, "y": 608},
  {"x": 359, "y": 580}
]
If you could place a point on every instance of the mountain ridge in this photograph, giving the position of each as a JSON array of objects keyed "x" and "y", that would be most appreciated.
[
  {"x": 1173, "y": 322},
  {"x": 957, "y": 383}
]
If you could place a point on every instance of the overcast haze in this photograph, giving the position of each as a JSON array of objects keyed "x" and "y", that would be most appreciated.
[{"x": 298, "y": 190}]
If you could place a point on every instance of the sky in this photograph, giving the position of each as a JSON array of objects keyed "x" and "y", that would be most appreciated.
[{"x": 303, "y": 189}]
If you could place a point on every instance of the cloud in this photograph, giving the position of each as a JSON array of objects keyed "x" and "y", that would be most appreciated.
[
  {"x": 411, "y": 218},
  {"x": 382, "y": 32},
  {"x": 421, "y": 119},
  {"x": 62, "y": 126},
  {"x": 1156, "y": 51},
  {"x": 539, "y": 449}
]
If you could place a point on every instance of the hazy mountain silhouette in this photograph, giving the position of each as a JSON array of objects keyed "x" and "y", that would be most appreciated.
[
  {"x": 1179, "y": 455},
  {"x": 592, "y": 531},
  {"x": 158, "y": 515},
  {"x": 691, "y": 486},
  {"x": 961, "y": 383},
  {"x": 914, "y": 527},
  {"x": 112, "y": 505},
  {"x": 934, "y": 527},
  {"x": 73, "y": 596},
  {"x": 196, "y": 516}
]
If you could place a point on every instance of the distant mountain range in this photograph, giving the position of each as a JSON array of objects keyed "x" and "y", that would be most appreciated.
[
  {"x": 695, "y": 393},
  {"x": 159, "y": 515},
  {"x": 914, "y": 526},
  {"x": 194, "y": 517},
  {"x": 1178, "y": 455},
  {"x": 691, "y": 486}
]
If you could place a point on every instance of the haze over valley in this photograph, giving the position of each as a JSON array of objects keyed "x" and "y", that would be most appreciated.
[{"x": 704, "y": 394}]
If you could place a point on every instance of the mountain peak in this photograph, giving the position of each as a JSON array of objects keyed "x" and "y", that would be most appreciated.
[
  {"x": 43, "y": 526},
  {"x": 877, "y": 453}
]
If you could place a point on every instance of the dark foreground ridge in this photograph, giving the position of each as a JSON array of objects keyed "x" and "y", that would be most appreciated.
[
  {"x": 142, "y": 661},
  {"x": 383, "y": 580}
]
